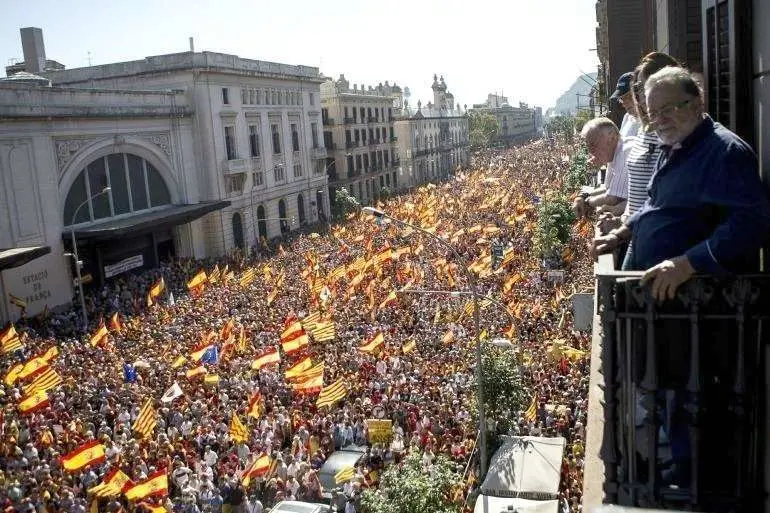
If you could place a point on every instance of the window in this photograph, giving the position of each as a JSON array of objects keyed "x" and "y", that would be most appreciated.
[
  {"x": 252, "y": 96},
  {"x": 363, "y": 114},
  {"x": 328, "y": 142},
  {"x": 390, "y": 113},
  {"x": 234, "y": 184},
  {"x": 314, "y": 134},
  {"x": 386, "y": 159},
  {"x": 350, "y": 165},
  {"x": 312, "y": 98},
  {"x": 278, "y": 173},
  {"x": 297, "y": 170},
  {"x": 254, "y": 140},
  {"x": 392, "y": 136},
  {"x": 230, "y": 143},
  {"x": 358, "y": 136},
  {"x": 347, "y": 136},
  {"x": 325, "y": 116},
  {"x": 237, "y": 223},
  {"x": 355, "y": 114},
  {"x": 276, "y": 138},
  {"x": 135, "y": 185},
  {"x": 225, "y": 96},
  {"x": 294, "y": 137},
  {"x": 366, "y": 162},
  {"x": 258, "y": 94},
  {"x": 244, "y": 96},
  {"x": 358, "y": 162},
  {"x": 346, "y": 113},
  {"x": 259, "y": 179}
]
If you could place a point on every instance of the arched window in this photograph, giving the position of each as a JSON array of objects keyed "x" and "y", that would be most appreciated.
[
  {"x": 238, "y": 230},
  {"x": 282, "y": 215},
  {"x": 135, "y": 185},
  {"x": 301, "y": 208},
  {"x": 262, "y": 225}
]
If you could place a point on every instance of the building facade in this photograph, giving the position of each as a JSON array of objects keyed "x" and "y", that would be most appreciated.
[
  {"x": 257, "y": 127},
  {"x": 360, "y": 138},
  {"x": 517, "y": 124},
  {"x": 432, "y": 141},
  {"x": 116, "y": 169}
]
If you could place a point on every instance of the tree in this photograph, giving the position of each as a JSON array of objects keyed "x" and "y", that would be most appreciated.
[
  {"x": 504, "y": 390},
  {"x": 483, "y": 127},
  {"x": 344, "y": 204},
  {"x": 563, "y": 126},
  {"x": 412, "y": 487},
  {"x": 385, "y": 193}
]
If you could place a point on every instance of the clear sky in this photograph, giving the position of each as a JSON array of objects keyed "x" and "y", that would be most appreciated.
[{"x": 530, "y": 50}]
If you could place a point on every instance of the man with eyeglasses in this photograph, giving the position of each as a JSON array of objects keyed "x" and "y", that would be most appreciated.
[{"x": 707, "y": 210}]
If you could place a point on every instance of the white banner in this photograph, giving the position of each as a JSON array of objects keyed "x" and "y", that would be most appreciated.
[{"x": 124, "y": 265}]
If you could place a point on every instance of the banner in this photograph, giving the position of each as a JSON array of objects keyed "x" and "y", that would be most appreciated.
[
  {"x": 124, "y": 265},
  {"x": 380, "y": 431}
]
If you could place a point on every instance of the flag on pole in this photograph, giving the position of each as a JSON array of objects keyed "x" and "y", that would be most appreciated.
[
  {"x": 373, "y": 343},
  {"x": 155, "y": 484},
  {"x": 33, "y": 402},
  {"x": 172, "y": 393},
  {"x": 309, "y": 386},
  {"x": 255, "y": 406},
  {"x": 99, "y": 336},
  {"x": 258, "y": 467},
  {"x": 238, "y": 431},
  {"x": 90, "y": 453},
  {"x": 269, "y": 356},
  {"x": 146, "y": 421},
  {"x": 332, "y": 393},
  {"x": 112, "y": 484},
  {"x": 198, "y": 281},
  {"x": 295, "y": 344},
  {"x": 115, "y": 323},
  {"x": 44, "y": 381},
  {"x": 531, "y": 413},
  {"x": 298, "y": 368},
  {"x": 18, "y": 301}
]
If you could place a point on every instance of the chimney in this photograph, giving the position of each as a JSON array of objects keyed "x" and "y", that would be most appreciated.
[
  {"x": 34, "y": 49},
  {"x": 192, "y": 45}
]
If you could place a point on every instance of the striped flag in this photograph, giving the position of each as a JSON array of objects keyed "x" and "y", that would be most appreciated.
[
  {"x": 295, "y": 344},
  {"x": 155, "y": 484},
  {"x": 146, "y": 421},
  {"x": 18, "y": 301},
  {"x": 255, "y": 406},
  {"x": 259, "y": 467},
  {"x": 180, "y": 360},
  {"x": 99, "y": 336},
  {"x": 8, "y": 333},
  {"x": 211, "y": 379},
  {"x": 344, "y": 475},
  {"x": 215, "y": 274},
  {"x": 90, "y": 453},
  {"x": 309, "y": 386},
  {"x": 372, "y": 344},
  {"x": 409, "y": 346},
  {"x": 33, "y": 402},
  {"x": 51, "y": 353},
  {"x": 198, "y": 281},
  {"x": 32, "y": 367},
  {"x": 332, "y": 393},
  {"x": 247, "y": 277},
  {"x": 269, "y": 356},
  {"x": 199, "y": 351},
  {"x": 13, "y": 374},
  {"x": 238, "y": 431},
  {"x": 11, "y": 344},
  {"x": 298, "y": 368},
  {"x": 391, "y": 299},
  {"x": 324, "y": 331},
  {"x": 115, "y": 323},
  {"x": 531, "y": 413},
  {"x": 155, "y": 291},
  {"x": 316, "y": 370},
  {"x": 112, "y": 484},
  {"x": 44, "y": 381}
]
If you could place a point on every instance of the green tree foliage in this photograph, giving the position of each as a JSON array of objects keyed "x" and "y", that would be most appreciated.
[
  {"x": 344, "y": 204},
  {"x": 563, "y": 127},
  {"x": 483, "y": 127},
  {"x": 554, "y": 220},
  {"x": 412, "y": 487},
  {"x": 385, "y": 193},
  {"x": 504, "y": 388},
  {"x": 581, "y": 118},
  {"x": 577, "y": 174}
]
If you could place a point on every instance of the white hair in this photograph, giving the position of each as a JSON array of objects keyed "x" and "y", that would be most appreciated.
[{"x": 675, "y": 76}]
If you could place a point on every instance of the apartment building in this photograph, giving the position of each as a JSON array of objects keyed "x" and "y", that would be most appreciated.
[{"x": 360, "y": 138}]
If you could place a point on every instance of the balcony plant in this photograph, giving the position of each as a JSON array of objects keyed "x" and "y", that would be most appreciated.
[{"x": 554, "y": 222}]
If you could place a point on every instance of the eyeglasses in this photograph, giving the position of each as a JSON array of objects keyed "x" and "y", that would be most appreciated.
[{"x": 668, "y": 110}]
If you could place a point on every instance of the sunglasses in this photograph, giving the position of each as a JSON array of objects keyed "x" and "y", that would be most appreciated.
[{"x": 668, "y": 110}]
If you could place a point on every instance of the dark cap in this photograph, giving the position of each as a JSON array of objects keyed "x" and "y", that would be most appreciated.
[{"x": 624, "y": 85}]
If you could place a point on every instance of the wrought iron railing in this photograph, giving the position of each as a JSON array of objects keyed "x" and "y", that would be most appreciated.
[{"x": 684, "y": 387}]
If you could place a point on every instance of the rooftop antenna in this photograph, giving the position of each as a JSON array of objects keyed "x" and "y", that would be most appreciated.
[{"x": 89, "y": 58}]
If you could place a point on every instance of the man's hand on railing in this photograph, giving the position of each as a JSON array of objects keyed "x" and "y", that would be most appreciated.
[
  {"x": 667, "y": 276},
  {"x": 608, "y": 222},
  {"x": 610, "y": 242}
]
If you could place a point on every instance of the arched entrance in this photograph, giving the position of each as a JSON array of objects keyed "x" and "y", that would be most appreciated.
[
  {"x": 319, "y": 202},
  {"x": 238, "y": 230},
  {"x": 301, "y": 209},
  {"x": 261, "y": 224},
  {"x": 282, "y": 215}
]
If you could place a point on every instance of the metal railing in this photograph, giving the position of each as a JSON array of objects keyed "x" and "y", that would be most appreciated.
[
  {"x": 349, "y": 121},
  {"x": 328, "y": 122},
  {"x": 684, "y": 387}
]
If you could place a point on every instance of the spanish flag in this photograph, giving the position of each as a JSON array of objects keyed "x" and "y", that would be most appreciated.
[
  {"x": 372, "y": 344},
  {"x": 298, "y": 368},
  {"x": 51, "y": 353},
  {"x": 295, "y": 344},
  {"x": 199, "y": 351},
  {"x": 152, "y": 508},
  {"x": 266, "y": 358},
  {"x": 331, "y": 394},
  {"x": 44, "y": 381},
  {"x": 238, "y": 431},
  {"x": 99, "y": 336},
  {"x": 115, "y": 323},
  {"x": 180, "y": 360},
  {"x": 259, "y": 467},
  {"x": 90, "y": 453},
  {"x": 255, "y": 406},
  {"x": 408, "y": 347},
  {"x": 113, "y": 483},
  {"x": 33, "y": 402},
  {"x": 13, "y": 374},
  {"x": 200, "y": 369},
  {"x": 32, "y": 367},
  {"x": 292, "y": 331},
  {"x": 197, "y": 281},
  {"x": 155, "y": 485},
  {"x": 146, "y": 421},
  {"x": 309, "y": 386},
  {"x": 344, "y": 475}
]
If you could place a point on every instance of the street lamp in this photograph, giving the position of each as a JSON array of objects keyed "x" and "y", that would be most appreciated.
[
  {"x": 78, "y": 263},
  {"x": 379, "y": 214}
]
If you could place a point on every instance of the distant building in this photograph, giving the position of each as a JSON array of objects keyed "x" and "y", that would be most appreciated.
[
  {"x": 257, "y": 133},
  {"x": 432, "y": 141},
  {"x": 359, "y": 137},
  {"x": 35, "y": 59},
  {"x": 517, "y": 124}
]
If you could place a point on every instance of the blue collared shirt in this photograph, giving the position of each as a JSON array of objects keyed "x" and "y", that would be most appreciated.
[{"x": 705, "y": 201}]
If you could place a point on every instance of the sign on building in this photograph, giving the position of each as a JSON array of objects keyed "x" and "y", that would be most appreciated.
[{"x": 124, "y": 265}]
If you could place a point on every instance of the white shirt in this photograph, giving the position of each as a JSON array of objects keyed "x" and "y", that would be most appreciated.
[
  {"x": 618, "y": 185},
  {"x": 629, "y": 127}
]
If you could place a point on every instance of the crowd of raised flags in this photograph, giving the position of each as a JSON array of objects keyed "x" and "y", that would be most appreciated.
[{"x": 285, "y": 358}]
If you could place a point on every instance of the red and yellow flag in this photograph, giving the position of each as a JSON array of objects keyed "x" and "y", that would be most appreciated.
[
  {"x": 295, "y": 344},
  {"x": 255, "y": 406},
  {"x": 238, "y": 431},
  {"x": 51, "y": 353},
  {"x": 309, "y": 386},
  {"x": 33, "y": 402},
  {"x": 32, "y": 367},
  {"x": 155, "y": 485},
  {"x": 269, "y": 356},
  {"x": 13, "y": 374},
  {"x": 90, "y": 453},
  {"x": 113, "y": 483},
  {"x": 331, "y": 394},
  {"x": 44, "y": 381},
  {"x": 99, "y": 336},
  {"x": 146, "y": 421},
  {"x": 197, "y": 281},
  {"x": 298, "y": 368},
  {"x": 259, "y": 467},
  {"x": 115, "y": 324},
  {"x": 195, "y": 371},
  {"x": 373, "y": 343}
]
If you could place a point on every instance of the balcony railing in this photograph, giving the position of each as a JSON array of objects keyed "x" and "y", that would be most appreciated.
[
  {"x": 349, "y": 121},
  {"x": 372, "y": 119},
  {"x": 683, "y": 392},
  {"x": 319, "y": 152},
  {"x": 236, "y": 166},
  {"x": 351, "y": 144},
  {"x": 328, "y": 122}
]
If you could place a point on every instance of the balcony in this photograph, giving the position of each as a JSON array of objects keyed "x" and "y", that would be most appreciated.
[
  {"x": 328, "y": 122},
  {"x": 236, "y": 166},
  {"x": 691, "y": 368},
  {"x": 319, "y": 152},
  {"x": 349, "y": 121},
  {"x": 374, "y": 142},
  {"x": 372, "y": 119}
]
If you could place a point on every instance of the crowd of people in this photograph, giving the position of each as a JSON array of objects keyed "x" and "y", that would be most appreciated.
[{"x": 338, "y": 275}]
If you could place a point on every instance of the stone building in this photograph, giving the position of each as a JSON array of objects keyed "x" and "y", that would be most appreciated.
[
  {"x": 257, "y": 128},
  {"x": 432, "y": 140},
  {"x": 360, "y": 138},
  {"x": 59, "y": 149},
  {"x": 517, "y": 124}
]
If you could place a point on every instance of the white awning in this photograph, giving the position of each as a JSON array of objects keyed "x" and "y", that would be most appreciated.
[
  {"x": 488, "y": 504},
  {"x": 526, "y": 465}
]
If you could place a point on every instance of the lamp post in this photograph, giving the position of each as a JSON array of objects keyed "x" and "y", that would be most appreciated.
[
  {"x": 472, "y": 283},
  {"x": 77, "y": 259}
]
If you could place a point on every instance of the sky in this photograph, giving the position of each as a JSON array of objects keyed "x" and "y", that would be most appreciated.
[{"x": 528, "y": 50}]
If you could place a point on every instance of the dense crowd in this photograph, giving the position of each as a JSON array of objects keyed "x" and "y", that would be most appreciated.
[{"x": 426, "y": 392}]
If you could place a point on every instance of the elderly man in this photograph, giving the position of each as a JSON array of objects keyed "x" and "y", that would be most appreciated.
[
  {"x": 606, "y": 147},
  {"x": 707, "y": 211}
]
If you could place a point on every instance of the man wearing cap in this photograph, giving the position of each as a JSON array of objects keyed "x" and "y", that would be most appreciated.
[{"x": 623, "y": 95}]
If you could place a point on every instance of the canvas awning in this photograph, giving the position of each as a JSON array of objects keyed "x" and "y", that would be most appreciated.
[
  {"x": 526, "y": 466},
  {"x": 488, "y": 504},
  {"x": 146, "y": 222}
]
